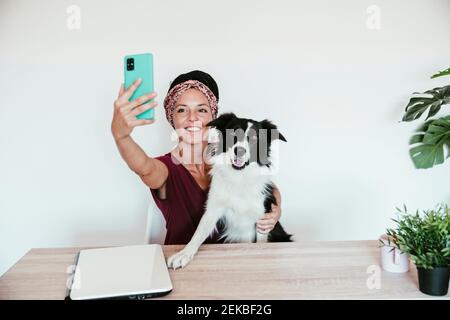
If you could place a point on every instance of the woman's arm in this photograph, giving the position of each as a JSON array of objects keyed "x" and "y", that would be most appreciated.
[
  {"x": 266, "y": 224},
  {"x": 277, "y": 194},
  {"x": 152, "y": 172}
]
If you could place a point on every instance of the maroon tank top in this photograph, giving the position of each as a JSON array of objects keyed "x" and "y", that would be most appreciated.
[{"x": 184, "y": 205}]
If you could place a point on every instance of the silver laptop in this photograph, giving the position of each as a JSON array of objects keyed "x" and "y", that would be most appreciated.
[{"x": 130, "y": 272}]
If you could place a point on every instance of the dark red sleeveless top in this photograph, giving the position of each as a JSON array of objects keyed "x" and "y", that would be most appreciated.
[{"x": 184, "y": 204}]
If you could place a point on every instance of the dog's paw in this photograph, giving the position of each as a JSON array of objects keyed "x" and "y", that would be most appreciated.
[{"x": 180, "y": 259}]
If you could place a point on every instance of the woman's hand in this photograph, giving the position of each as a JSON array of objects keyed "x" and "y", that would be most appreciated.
[
  {"x": 266, "y": 224},
  {"x": 125, "y": 111}
]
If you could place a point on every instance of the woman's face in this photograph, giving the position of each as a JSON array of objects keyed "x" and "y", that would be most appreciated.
[{"x": 191, "y": 114}]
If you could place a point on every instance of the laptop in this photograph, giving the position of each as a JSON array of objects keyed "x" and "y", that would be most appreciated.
[{"x": 130, "y": 272}]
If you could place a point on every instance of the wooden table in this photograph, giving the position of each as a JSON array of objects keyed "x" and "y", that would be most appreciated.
[{"x": 317, "y": 270}]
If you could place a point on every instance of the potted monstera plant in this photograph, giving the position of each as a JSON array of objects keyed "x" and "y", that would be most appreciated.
[
  {"x": 425, "y": 238},
  {"x": 428, "y": 144}
]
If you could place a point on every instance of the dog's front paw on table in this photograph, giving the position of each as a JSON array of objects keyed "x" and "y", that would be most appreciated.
[{"x": 180, "y": 259}]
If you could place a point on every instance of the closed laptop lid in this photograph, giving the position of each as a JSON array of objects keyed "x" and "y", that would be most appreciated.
[{"x": 126, "y": 271}]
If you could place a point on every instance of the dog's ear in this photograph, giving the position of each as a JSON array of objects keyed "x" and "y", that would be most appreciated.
[
  {"x": 272, "y": 130},
  {"x": 222, "y": 121}
]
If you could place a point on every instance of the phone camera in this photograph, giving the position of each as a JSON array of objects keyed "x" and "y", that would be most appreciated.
[{"x": 130, "y": 64}]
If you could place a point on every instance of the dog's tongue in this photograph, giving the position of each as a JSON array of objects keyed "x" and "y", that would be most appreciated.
[{"x": 238, "y": 162}]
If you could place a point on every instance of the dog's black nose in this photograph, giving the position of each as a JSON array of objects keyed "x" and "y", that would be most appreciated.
[{"x": 239, "y": 151}]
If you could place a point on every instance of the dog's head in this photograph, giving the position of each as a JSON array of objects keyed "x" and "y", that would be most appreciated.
[{"x": 243, "y": 142}]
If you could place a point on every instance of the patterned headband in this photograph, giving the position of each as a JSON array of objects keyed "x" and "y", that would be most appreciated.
[{"x": 177, "y": 91}]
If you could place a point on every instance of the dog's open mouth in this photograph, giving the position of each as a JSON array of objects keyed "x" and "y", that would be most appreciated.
[{"x": 238, "y": 163}]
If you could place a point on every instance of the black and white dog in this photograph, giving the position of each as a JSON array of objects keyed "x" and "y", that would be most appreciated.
[{"x": 241, "y": 190}]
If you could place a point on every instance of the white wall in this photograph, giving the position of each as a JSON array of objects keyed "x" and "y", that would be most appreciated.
[{"x": 335, "y": 88}]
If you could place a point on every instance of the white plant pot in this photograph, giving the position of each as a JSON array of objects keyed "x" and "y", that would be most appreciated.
[{"x": 393, "y": 259}]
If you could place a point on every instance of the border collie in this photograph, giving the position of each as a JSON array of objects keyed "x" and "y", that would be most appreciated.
[{"x": 241, "y": 190}]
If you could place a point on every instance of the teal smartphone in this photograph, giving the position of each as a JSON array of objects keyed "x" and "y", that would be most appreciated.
[{"x": 140, "y": 66}]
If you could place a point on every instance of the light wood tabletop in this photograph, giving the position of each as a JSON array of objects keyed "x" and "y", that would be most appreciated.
[{"x": 316, "y": 270}]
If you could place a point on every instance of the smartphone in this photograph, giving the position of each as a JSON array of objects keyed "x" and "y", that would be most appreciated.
[{"x": 140, "y": 66}]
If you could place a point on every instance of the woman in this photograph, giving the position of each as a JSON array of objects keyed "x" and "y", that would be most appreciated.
[{"x": 179, "y": 180}]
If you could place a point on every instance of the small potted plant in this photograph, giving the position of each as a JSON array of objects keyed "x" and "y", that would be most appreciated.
[{"x": 425, "y": 238}]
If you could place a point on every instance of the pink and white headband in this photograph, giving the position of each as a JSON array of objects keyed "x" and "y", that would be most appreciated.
[{"x": 174, "y": 94}]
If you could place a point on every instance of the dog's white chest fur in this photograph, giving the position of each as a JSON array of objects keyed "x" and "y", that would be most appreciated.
[{"x": 239, "y": 197}]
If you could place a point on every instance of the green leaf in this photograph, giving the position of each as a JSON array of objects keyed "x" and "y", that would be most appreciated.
[
  {"x": 414, "y": 111},
  {"x": 417, "y": 138},
  {"x": 434, "y": 108},
  {"x": 428, "y": 148},
  {"x": 436, "y": 132},
  {"x": 423, "y": 156},
  {"x": 441, "y": 73},
  {"x": 433, "y": 102}
]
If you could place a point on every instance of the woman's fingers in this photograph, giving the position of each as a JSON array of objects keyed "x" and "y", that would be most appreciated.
[
  {"x": 141, "y": 122},
  {"x": 145, "y": 107},
  {"x": 267, "y": 220},
  {"x": 264, "y": 230},
  {"x": 129, "y": 92},
  {"x": 126, "y": 106},
  {"x": 121, "y": 91},
  {"x": 265, "y": 225},
  {"x": 141, "y": 100},
  {"x": 118, "y": 102}
]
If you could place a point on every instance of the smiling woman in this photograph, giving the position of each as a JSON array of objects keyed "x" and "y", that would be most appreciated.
[{"x": 179, "y": 180}]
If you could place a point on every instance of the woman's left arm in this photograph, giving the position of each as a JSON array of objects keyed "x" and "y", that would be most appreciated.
[{"x": 266, "y": 224}]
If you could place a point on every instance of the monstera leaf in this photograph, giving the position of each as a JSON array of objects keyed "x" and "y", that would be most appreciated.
[
  {"x": 433, "y": 101},
  {"x": 430, "y": 142},
  {"x": 441, "y": 73}
]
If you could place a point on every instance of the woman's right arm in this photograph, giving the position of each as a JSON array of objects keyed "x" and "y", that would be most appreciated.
[{"x": 153, "y": 172}]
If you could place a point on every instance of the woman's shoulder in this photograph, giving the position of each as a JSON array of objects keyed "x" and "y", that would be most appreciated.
[
  {"x": 164, "y": 157},
  {"x": 169, "y": 160}
]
